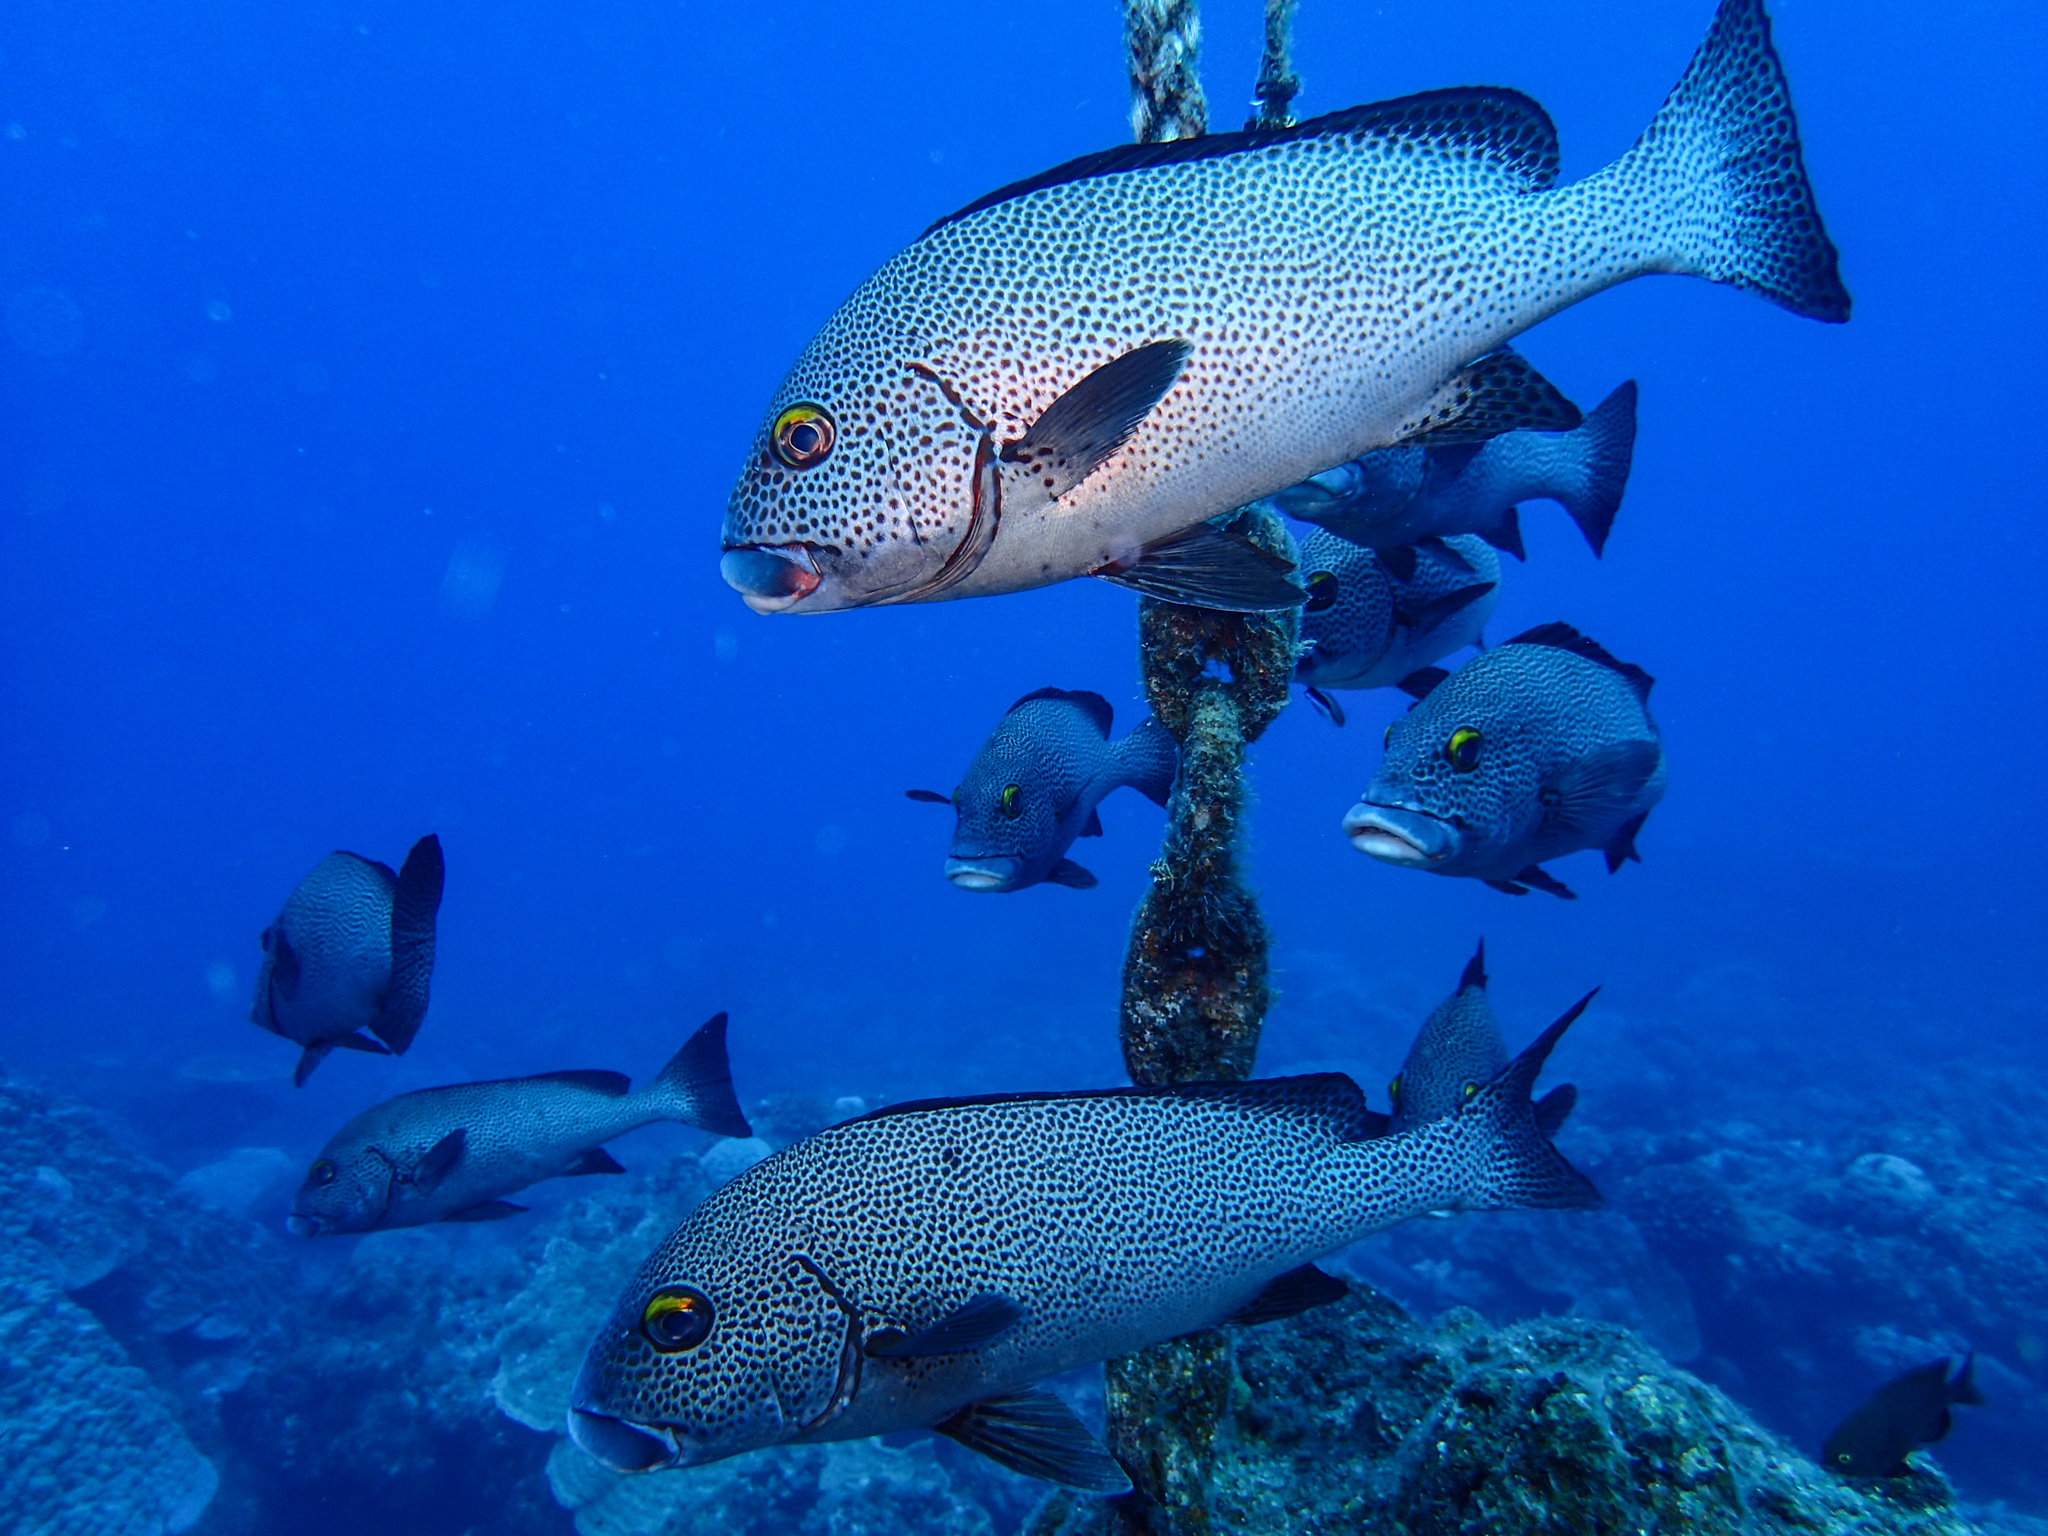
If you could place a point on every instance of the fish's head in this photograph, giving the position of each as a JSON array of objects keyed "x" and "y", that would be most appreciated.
[
  {"x": 346, "y": 1190},
  {"x": 1008, "y": 809},
  {"x": 1347, "y": 622},
  {"x": 1445, "y": 794},
  {"x": 867, "y": 483},
  {"x": 1355, "y": 494},
  {"x": 720, "y": 1345}
]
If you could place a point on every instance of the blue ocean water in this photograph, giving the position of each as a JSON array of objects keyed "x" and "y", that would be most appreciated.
[{"x": 374, "y": 379}]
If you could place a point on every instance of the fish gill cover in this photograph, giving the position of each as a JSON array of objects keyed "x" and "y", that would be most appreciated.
[{"x": 377, "y": 379}]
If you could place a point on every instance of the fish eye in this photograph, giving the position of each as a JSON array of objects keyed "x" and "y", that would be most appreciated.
[
  {"x": 1013, "y": 801},
  {"x": 321, "y": 1172},
  {"x": 1462, "y": 750},
  {"x": 1387, "y": 741},
  {"x": 678, "y": 1317},
  {"x": 1471, "y": 1092},
  {"x": 1844, "y": 1457},
  {"x": 1322, "y": 592},
  {"x": 1394, "y": 1090},
  {"x": 803, "y": 436}
]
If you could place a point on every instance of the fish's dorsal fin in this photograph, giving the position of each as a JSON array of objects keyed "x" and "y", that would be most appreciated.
[
  {"x": 1561, "y": 636},
  {"x": 1475, "y": 970},
  {"x": 1499, "y": 126},
  {"x": 1093, "y": 705},
  {"x": 1330, "y": 1096},
  {"x": 1034, "y": 1433},
  {"x": 613, "y": 1085}
]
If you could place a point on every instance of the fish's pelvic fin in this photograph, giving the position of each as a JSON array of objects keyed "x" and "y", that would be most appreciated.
[
  {"x": 1418, "y": 683},
  {"x": 1036, "y": 1434},
  {"x": 1208, "y": 567},
  {"x": 415, "y": 902},
  {"x": 1080, "y": 430},
  {"x": 1474, "y": 974},
  {"x": 1447, "y": 552},
  {"x": 358, "y": 1041},
  {"x": 1535, "y": 876},
  {"x": 1507, "y": 887},
  {"x": 490, "y": 1210},
  {"x": 1289, "y": 1295},
  {"x": 1400, "y": 560},
  {"x": 1718, "y": 182},
  {"x": 696, "y": 1085},
  {"x": 439, "y": 1160},
  {"x": 1555, "y": 1107},
  {"x": 1500, "y": 392},
  {"x": 596, "y": 1160},
  {"x": 310, "y": 1058},
  {"x": 1326, "y": 704},
  {"x": 1429, "y": 615},
  {"x": 1071, "y": 875},
  {"x": 974, "y": 1323},
  {"x": 930, "y": 796},
  {"x": 1604, "y": 447},
  {"x": 1623, "y": 845},
  {"x": 1148, "y": 760},
  {"x": 1093, "y": 826}
]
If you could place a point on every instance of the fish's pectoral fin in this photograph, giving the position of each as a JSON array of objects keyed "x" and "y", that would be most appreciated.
[
  {"x": 1592, "y": 789},
  {"x": 1093, "y": 826},
  {"x": 1288, "y": 1295},
  {"x": 1400, "y": 560},
  {"x": 1622, "y": 846},
  {"x": 1208, "y": 567},
  {"x": 1091, "y": 421},
  {"x": 929, "y": 796},
  {"x": 1429, "y": 615},
  {"x": 1036, "y": 1434},
  {"x": 1555, "y": 1107},
  {"x": 284, "y": 964},
  {"x": 1072, "y": 875},
  {"x": 1328, "y": 706},
  {"x": 596, "y": 1160},
  {"x": 1417, "y": 684},
  {"x": 1533, "y": 875},
  {"x": 310, "y": 1058},
  {"x": 439, "y": 1160},
  {"x": 1500, "y": 392},
  {"x": 1448, "y": 553},
  {"x": 1444, "y": 462},
  {"x": 969, "y": 1326},
  {"x": 490, "y": 1210}
]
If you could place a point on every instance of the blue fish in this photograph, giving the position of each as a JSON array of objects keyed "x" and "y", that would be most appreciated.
[
  {"x": 1904, "y": 1414},
  {"x": 1364, "y": 627},
  {"x": 1457, "y": 1052},
  {"x": 353, "y": 950},
  {"x": 1034, "y": 786},
  {"x": 1539, "y": 748},
  {"x": 1400, "y": 496}
]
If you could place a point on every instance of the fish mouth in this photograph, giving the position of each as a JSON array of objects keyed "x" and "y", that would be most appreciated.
[
  {"x": 1397, "y": 835},
  {"x": 621, "y": 1446},
  {"x": 994, "y": 873},
  {"x": 771, "y": 577},
  {"x": 1318, "y": 492},
  {"x": 305, "y": 1226}
]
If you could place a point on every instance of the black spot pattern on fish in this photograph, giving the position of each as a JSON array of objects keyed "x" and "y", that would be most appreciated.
[{"x": 1358, "y": 641}]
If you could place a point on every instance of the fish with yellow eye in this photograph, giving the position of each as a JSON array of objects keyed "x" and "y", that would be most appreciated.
[
  {"x": 1035, "y": 784},
  {"x": 1458, "y": 1050},
  {"x": 1536, "y": 749}
]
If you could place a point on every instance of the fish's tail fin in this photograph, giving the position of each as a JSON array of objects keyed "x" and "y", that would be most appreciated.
[
  {"x": 1719, "y": 176},
  {"x": 1516, "y": 1167},
  {"x": 415, "y": 903},
  {"x": 1147, "y": 760},
  {"x": 1603, "y": 449},
  {"x": 696, "y": 1085}
]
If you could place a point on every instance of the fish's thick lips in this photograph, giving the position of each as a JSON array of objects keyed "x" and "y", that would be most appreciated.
[
  {"x": 304, "y": 1226},
  {"x": 994, "y": 873},
  {"x": 771, "y": 577},
  {"x": 621, "y": 1446},
  {"x": 1397, "y": 835}
]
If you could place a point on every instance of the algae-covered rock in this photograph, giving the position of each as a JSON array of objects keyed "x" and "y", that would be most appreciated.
[{"x": 1356, "y": 1418}]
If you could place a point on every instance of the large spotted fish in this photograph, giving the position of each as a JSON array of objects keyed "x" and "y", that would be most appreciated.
[
  {"x": 1365, "y": 627},
  {"x": 1401, "y": 496},
  {"x": 454, "y": 1153},
  {"x": 1035, "y": 784},
  {"x": 1073, "y": 375},
  {"x": 1458, "y": 1051},
  {"x": 925, "y": 1266},
  {"x": 1538, "y": 748},
  {"x": 353, "y": 950}
]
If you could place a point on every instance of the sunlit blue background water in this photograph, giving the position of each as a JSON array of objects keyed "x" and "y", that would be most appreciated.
[{"x": 374, "y": 378}]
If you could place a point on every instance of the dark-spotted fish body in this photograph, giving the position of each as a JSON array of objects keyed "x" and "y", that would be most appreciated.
[
  {"x": 1401, "y": 496},
  {"x": 454, "y": 1153},
  {"x": 1897, "y": 1419},
  {"x": 1034, "y": 786},
  {"x": 1365, "y": 627},
  {"x": 1458, "y": 1051},
  {"x": 352, "y": 951},
  {"x": 1538, "y": 748},
  {"x": 1075, "y": 374},
  {"x": 926, "y": 1265}
]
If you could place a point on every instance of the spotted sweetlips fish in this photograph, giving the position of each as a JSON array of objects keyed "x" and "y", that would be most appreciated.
[
  {"x": 352, "y": 951},
  {"x": 1538, "y": 748},
  {"x": 1365, "y": 627},
  {"x": 1458, "y": 1051},
  {"x": 1073, "y": 375},
  {"x": 925, "y": 1266},
  {"x": 1035, "y": 784},
  {"x": 1400, "y": 496},
  {"x": 454, "y": 1153}
]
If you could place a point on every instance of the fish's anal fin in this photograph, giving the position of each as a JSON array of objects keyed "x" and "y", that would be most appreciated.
[
  {"x": 1448, "y": 553},
  {"x": 358, "y": 1041},
  {"x": 975, "y": 1322},
  {"x": 929, "y": 796},
  {"x": 1555, "y": 1107},
  {"x": 1326, "y": 705},
  {"x": 490, "y": 1210},
  {"x": 596, "y": 1160},
  {"x": 1506, "y": 534},
  {"x": 1508, "y": 887},
  {"x": 1208, "y": 567},
  {"x": 1036, "y": 1434},
  {"x": 1500, "y": 392},
  {"x": 1288, "y": 1295},
  {"x": 1092, "y": 420},
  {"x": 1534, "y": 876},
  {"x": 1071, "y": 875},
  {"x": 1417, "y": 684},
  {"x": 310, "y": 1058},
  {"x": 439, "y": 1160},
  {"x": 1093, "y": 826},
  {"x": 1623, "y": 845}
]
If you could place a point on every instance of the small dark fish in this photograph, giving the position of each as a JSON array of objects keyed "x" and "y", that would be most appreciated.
[
  {"x": 1530, "y": 751},
  {"x": 1364, "y": 627},
  {"x": 1034, "y": 785},
  {"x": 1458, "y": 1051},
  {"x": 1401, "y": 496},
  {"x": 352, "y": 950},
  {"x": 1899, "y": 1417},
  {"x": 453, "y": 1154}
]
